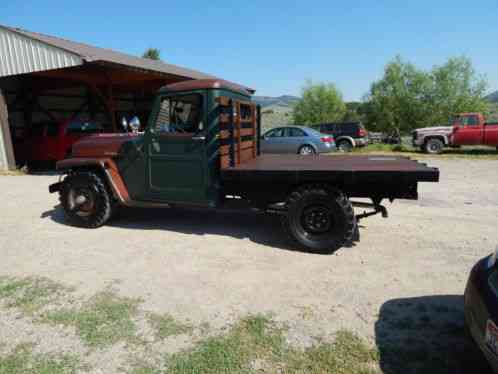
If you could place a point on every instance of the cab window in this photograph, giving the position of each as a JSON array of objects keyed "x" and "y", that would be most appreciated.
[{"x": 180, "y": 114}]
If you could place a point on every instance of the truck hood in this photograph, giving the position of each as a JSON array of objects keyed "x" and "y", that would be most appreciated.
[
  {"x": 101, "y": 145},
  {"x": 443, "y": 130}
]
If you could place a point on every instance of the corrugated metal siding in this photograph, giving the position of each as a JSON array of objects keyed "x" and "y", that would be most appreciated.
[{"x": 20, "y": 54}]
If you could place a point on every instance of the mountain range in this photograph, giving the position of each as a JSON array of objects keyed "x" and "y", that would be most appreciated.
[
  {"x": 492, "y": 97},
  {"x": 284, "y": 100}
]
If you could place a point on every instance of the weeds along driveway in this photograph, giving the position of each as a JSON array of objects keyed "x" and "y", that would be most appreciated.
[{"x": 219, "y": 267}]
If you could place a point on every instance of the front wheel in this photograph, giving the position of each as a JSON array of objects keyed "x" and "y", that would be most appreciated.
[
  {"x": 86, "y": 200},
  {"x": 319, "y": 219},
  {"x": 434, "y": 146}
]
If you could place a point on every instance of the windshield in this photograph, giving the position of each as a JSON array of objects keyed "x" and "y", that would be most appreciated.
[{"x": 180, "y": 114}]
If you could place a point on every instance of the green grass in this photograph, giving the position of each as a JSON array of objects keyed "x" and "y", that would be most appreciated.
[
  {"x": 23, "y": 361},
  {"x": 29, "y": 294},
  {"x": 104, "y": 320},
  {"x": 258, "y": 339},
  {"x": 348, "y": 354},
  {"x": 165, "y": 326}
]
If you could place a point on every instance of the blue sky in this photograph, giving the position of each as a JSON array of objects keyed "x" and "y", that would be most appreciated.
[{"x": 274, "y": 46}]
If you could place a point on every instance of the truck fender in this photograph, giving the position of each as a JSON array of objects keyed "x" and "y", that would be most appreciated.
[
  {"x": 443, "y": 138},
  {"x": 109, "y": 170},
  {"x": 348, "y": 138}
]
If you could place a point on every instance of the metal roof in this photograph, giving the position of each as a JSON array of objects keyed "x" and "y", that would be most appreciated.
[
  {"x": 24, "y": 51},
  {"x": 201, "y": 84}
]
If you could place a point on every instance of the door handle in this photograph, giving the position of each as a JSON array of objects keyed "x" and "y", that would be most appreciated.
[{"x": 199, "y": 138}]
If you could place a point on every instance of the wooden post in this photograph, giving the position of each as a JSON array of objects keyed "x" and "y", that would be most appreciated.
[
  {"x": 111, "y": 104},
  {"x": 92, "y": 105},
  {"x": 7, "y": 159},
  {"x": 237, "y": 133}
]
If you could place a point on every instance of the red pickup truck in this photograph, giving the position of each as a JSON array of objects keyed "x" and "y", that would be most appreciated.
[{"x": 464, "y": 129}]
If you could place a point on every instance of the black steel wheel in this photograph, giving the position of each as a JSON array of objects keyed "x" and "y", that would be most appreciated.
[
  {"x": 86, "y": 200},
  {"x": 319, "y": 219},
  {"x": 434, "y": 146},
  {"x": 345, "y": 146}
]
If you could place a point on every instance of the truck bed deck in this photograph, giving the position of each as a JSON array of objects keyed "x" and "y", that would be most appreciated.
[
  {"x": 295, "y": 166},
  {"x": 358, "y": 176}
]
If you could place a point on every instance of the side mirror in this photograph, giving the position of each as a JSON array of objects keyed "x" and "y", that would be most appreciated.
[
  {"x": 135, "y": 124},
  {"x": 124, "y": 124}
]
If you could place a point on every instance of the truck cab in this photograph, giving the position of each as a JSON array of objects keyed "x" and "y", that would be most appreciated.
[{"x": 472, "y": 129}]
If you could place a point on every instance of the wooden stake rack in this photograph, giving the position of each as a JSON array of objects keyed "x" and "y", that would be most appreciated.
[{"x": 238, "y": 131}]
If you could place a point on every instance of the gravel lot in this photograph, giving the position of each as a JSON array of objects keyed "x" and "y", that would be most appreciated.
[{"x": 210, "y": 267}]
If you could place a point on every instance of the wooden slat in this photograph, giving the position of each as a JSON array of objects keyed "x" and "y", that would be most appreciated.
[
  {"x": 224, "y": 161},
  {"x": 237, "y": 133},
  {"x": 246, "y": 155},
  {"x": 223, "y": 100},
  {"x": 224, "y": 150},
  {"x": 224, "y": 134},
  {"x": 254, "y": 129},
  {"x": 246, "y": 132},
  {"x": 247, "y": 145}
]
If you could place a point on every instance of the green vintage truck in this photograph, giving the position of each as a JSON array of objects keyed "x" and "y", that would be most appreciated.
[{"x": 201, "y": 148}]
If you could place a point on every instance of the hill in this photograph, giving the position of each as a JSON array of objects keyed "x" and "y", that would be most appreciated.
[
  {"x": 284, "y": 100},
  {"x": 275, "y": 115},
  {"x": 492, "y": 97}
]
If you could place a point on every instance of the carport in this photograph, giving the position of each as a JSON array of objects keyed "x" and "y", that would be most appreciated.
[{"x": 45, "y": 78}]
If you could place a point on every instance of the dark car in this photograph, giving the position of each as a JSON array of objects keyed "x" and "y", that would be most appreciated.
[
  {"x": 347, "y": 135},
  {"x": 481, "y": 307}
]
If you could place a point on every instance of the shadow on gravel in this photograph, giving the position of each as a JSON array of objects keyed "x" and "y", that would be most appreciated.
[
  {"x": 426, "y": 335},
  {"x": 260, "y": 228}
]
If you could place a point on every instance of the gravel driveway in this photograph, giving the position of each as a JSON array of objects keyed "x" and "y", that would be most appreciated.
[{"x": 218, "y": 267}]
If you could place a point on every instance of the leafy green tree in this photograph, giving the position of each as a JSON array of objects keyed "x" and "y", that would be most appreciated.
[
  {"x": 456, "y": 88},
  {"x": 321, "y": 102},
  {"x": 400, "y": 99},
  {"x": 152, "y": 54},
  {"x": 407, "y": 97}
]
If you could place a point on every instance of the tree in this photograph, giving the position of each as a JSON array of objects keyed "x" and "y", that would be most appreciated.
[
  {"x": 320, "y": 103},
  {"x": 152, "y": 54},
  {"x": 407, "y": 97}
]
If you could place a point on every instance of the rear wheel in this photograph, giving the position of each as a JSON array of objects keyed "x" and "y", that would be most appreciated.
[
  {"x": 434, "y": 146},
  {"x": 86, "y": 200},
  {"x": 319, "y": 219},
  {"x": 345, "y": 146},
  {"x": 306, "y": 150}
]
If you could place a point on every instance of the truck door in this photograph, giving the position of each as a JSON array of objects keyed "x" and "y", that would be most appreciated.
[
  {"x": 176, "y": 150},
  {"x": 467, "y": 130}
]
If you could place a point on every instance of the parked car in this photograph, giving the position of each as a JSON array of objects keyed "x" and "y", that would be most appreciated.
[
  {"x": 347, "y": 135},
  {"x": 481, "y": 307},
  {"x": 296, "y": 139},
  {"x": 50, "y": 141},
  {"x": 464, "y": 129}
]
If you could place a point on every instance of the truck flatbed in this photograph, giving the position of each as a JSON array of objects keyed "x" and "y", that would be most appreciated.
[{"x": 352, "y": 168}]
